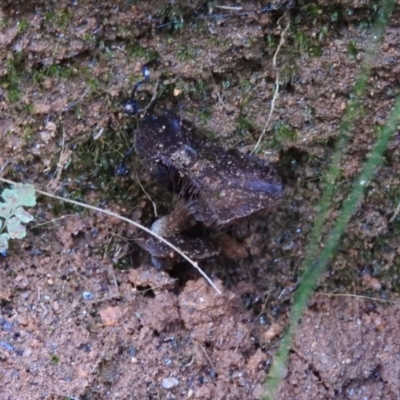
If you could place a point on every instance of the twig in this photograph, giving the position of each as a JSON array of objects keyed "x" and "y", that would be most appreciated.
[
  {"x": 129, "y": 221},
  {"x": 36, "y": 226},
  {"x": 277, "y": 81},
  {"x": 153, "y": 288},
  {"x": 61, "y": 165},
  {"x": 147, "y": 195},
  {"x": 357, "y": 296},
  {"x": 69, "y": 106},
  {"x": 229, "y": 8},
  {"x": 395, "y": 214},
  {"x": 205, "y": 353},
  {"x": 152, "y": 100}
]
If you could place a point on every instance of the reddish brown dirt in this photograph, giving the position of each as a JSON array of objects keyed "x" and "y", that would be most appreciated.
[{"x": 83, "y": 314}]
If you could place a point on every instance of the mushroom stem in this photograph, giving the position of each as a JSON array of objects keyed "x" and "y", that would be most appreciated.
[{"x": 172, "y": 224}]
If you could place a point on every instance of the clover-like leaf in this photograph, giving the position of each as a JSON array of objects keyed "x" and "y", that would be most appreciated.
[
  {"x": 22, "y": 215},
  {"x": 20, "y": 195},
  {"x": 12, "y": 213},
  {"x": 5, "y": 211},
  {"x": 4, "y": 242},
  {"x": 15, "y": 229}
]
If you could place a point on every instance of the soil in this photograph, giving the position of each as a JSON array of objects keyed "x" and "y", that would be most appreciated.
[{"x": 83, "y": 313}]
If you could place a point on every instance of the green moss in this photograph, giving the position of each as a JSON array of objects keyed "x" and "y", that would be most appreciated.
[
  {"x": 283, "y": 133},
  {"x": 135, "y": 50},
  {"x": 243, "y": 125},
  {"x": 123, "y": 31},
  {"x": 94, "y": 165},
  {"x": 205, "y": 115},
  {"x": 61, "y": 71},
  {"x": 246, "y": 92},
  {"x": 4, "y": 22},
  {"x": 245, "y": 85},
  {"x": 214, "y": 41},
  {"x": 352, "y": 50},
  {"x": 29, "y": 133},
  {"x": 122, "y": 263},
  {"x": 313, "y": 10},
  {"x": 64, "y": 71},
  {"x": 22, "y": 25},
  {"x": 335, "y": 16},
  {"x": 201, "y": 27},
  {"x": 54, "y": 359},
  {"x": 307, "y": 44},
  {"x": 15, "y": 74},
  {"x": 272, "y": 42},
  {"x": 323, "y": 33},
  {"x": 94, "y": 84},
  {"x": 289, "y": 72},
  {"x": 187, "y": 53},
  {"x": 173, "y": 17},
  {"x": 90, "y": 37},
  {"x": 59, "y": 19},
  {"x": 200, "y": 88}
]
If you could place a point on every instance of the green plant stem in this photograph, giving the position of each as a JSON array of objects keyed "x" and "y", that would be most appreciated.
[
  {"x": 312, "y": 271},
  {"x": 353, "y": 110}
]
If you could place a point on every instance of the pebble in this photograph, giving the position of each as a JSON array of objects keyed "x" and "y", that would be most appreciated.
[
  {"x": 22, "y": 320},
  {"x": 8, "y": 346},
  {"x": 169, "y": 383},
  {"x": 27, "y": 352},
  {"x": 87, "y": 295},
  {"x": 110, "y": 316}
]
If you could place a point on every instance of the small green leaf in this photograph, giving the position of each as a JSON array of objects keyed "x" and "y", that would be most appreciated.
[
  {"x": 11, "y": 197},
  {"x": 20, "y": 195},
  {"x": 13, "y": 213},
  {"x": 27, "y": 193},
  {"x": 4, "y": 242},
  {"x": 22, "y": 215},
  {"x": 15, "y": 228},
  {"x": 5, "y": 211}
]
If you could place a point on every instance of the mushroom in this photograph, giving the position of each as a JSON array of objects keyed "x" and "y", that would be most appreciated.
[{"x": 215, "y": 186}]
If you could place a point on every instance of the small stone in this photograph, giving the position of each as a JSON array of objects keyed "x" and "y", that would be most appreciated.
[
  {"x": 169, "y": 383},
  {"x": 110, "y": 315},
  {"x": 177, "y": 92},
  {"x": 27, "y": 352},
  {"x": 45, "y": 136},
  {"x": 42, "y": 108},
  {"x": 23, "y": 320},
  {"x": 371, "y": 282},
  {"x": 51, "y": 127},
  {"x": 48, "y": 83},
  {"x": 273, "y": 331},
  {"x": 87, "y": 295}
]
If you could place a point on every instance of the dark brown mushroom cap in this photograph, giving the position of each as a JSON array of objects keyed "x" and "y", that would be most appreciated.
[
  {"x": 196, "y": 248},
  {"x": 220, "y": 187}
]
